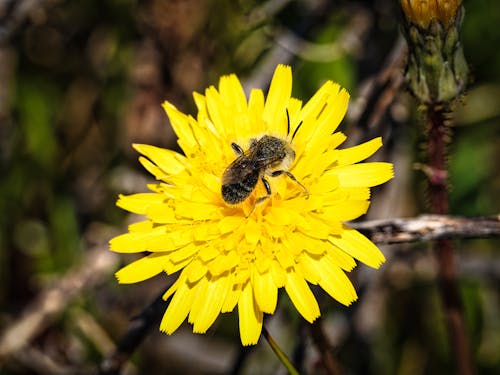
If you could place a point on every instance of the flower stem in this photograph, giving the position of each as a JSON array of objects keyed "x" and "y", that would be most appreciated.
[
  {"x": 279, "y": 353},
  {"x": 438, "y": 129}
]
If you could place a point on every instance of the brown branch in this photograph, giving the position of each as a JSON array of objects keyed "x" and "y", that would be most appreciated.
[
  {"x": 137, "y": 330},
  {"x": 377, "y": 94},
  {"x": 324, "y": 347},
  {"x": 13, "y": 14},
  {"x": 99, "y": 263},
  {"x": 429, "y": 228},
  {"x": 287, "y": 45}
]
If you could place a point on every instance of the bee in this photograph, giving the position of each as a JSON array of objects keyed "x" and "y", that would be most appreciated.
[{"x": 266, "y": 156}]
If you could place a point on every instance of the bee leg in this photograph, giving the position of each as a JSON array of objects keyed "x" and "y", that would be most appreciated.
[
  {"x": 292, "y": 177},
  {"x": 268, "y": 191},
  {"x": 237, "y": 149},
  {"x": 261, "y": 199}
]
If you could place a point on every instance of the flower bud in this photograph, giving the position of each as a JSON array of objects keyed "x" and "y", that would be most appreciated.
[{"x": 436, "y": 70}]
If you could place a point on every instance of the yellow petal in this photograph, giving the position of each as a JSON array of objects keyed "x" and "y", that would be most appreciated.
[
  {"x": 365, "y": 174},
  {"x": 200, "y": 102},
  {"x": 312, "y": 109},
  {"x": 277, "y": 100},
  {"x": 360, "y": 152},
  {"x": 184, "y": 253},
  {"x": 142, "y": 269},
  {"x": 172, "y": 267},
  {"x": 152, "y": 168},
  {"x": 310, "y": 244},
  {"x": 301, "y": 296},
  {"x": 178, "y": 308},
  {"x": 328, "y": 120},
  {"x": 253, "y": 232},
  {"x": 265, "y": 291},
  {"x": 231, "y": 90},
  {"x": 195, "y": 271},
  {"x": 208, "y": 303},
  {"x": 335, "y": 282},
  {"x": 345, "y": 210},
  {"x": 340, "y": 258},
  {"x": 136, "y": 242},
  {"x": 139, "y": 203},
  {"x": 230, "y": 223},
  {"x": 223, "y": 263},
  {"x": 359, "y": 247},
  {"x": 255, "y": 110},
  {"x": 284, "y": 256},
  {"x": 279, "y": 274},
  {"x": 250, "y": 317},
  {"x": 173, "y": 288},
  {"x": 314, "y": 226},
  {"x": 219, "y": 113},
  {"x": 232, "y": 296},
  {"x": 307, "y": 264},
  {"x": 180, "y": 124},
  {"x": 161, "y": 213},
  {"x": 169, "y": 161},
  {"x": 199, "y": 211}
]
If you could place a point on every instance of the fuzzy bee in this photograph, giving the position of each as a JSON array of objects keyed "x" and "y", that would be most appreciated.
[{"x": 266, "y": 156}]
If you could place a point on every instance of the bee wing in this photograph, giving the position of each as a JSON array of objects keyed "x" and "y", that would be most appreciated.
[{"x": 239, "y": 170}]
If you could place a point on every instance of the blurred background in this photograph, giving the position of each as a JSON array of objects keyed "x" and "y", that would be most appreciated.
[{"x": 80, "y": 81}]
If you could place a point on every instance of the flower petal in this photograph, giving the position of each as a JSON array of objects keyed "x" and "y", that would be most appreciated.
[
  {"x": 250, "y": 317},
  {"x": 265, "y": 291},
  {"x": 142, "y": 269},
  {"x": 335, "y": 282},
  {"x": 365, "y": 174},
  {"x": 278, "y": 96},
  {"x": 178, "y": 308},
  {"x": 301, "y": 296},
  {"x": 359, "y": 247},
  {"x": 357, "y": 153}
]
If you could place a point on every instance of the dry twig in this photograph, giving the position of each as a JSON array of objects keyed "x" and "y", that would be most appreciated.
[
  {"x": 429, "y": 228},
  {"x": 99, "y": 263}
]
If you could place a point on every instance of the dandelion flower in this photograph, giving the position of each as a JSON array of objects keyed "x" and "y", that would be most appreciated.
[{"x": 239, "y": 255}]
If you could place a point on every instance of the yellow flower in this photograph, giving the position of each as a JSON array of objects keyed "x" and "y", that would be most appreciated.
[{"x": 240, "y": 255}]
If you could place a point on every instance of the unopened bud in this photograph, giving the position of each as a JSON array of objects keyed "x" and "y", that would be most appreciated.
[{"x": 436, "y": 70}]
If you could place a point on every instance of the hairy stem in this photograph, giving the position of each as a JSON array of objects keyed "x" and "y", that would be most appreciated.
[{"x": 437, "y": 122}]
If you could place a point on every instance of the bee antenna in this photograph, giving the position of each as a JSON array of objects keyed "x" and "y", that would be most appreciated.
[
  {"x": 287, "y": 122},
  {"x": 296, "y": 130}
]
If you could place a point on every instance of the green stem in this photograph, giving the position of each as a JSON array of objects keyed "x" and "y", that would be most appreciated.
[{"x": 282, "y": 356}]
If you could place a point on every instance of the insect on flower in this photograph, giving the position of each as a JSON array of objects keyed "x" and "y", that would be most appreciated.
[
  {"x": 238, "y": 259},
  {"x": 267, "y": 155}
]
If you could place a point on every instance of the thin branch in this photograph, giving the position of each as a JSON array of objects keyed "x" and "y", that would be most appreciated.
[
  {"x": 39, "y": 362},
  {"x": 324, "y": 347},
  {"x": 429, "y": 228},
  {"x": 99, "y": 263},
  {"x": 377, "y": 94},
  {"x": 138, "y": 328},
  {"x": 13, "y": 14},
  {"x": 287, "y": 45},
  {"x": 350, "y": 42}
]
